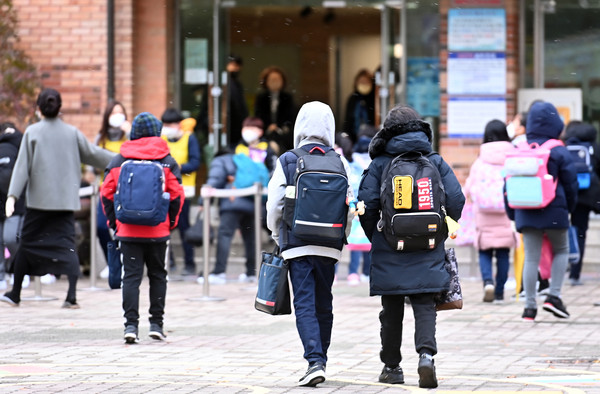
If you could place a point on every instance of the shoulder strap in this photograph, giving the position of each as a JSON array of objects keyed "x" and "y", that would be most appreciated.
[{"x": 552, "y": 143}]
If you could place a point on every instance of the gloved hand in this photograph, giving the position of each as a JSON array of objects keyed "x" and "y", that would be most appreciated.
[{"x": 10, "y": 206}]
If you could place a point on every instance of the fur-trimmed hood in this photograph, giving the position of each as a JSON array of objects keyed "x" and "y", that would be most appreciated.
[{"x": 419, "y": 129}]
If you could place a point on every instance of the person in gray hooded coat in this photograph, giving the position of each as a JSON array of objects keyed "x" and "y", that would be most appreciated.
[
  {"x": 418, "y": 275},
  {"x": 311, "y": 267}
]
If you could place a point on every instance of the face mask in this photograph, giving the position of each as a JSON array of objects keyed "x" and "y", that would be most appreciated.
[
  {"x": 116, "y": 120},
  {"x": 511, "y": 130},
  {"x": 170, "y": 132},
  {"x": 363, "y": 88},
  {"x": 114, "y": 133},
  {"x": 250, "y": 135}
]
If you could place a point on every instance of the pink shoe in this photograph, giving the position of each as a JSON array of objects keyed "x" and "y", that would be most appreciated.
[{"x": 353, "y": 280}]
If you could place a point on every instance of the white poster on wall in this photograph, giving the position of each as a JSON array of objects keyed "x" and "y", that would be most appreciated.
[
  {"x": 477, "y": 29},
  {"x": 467, "y": 116},
  {"x": 195, "y": 61},
  {"x": 568, "y": 102},
  {"x": 477, "y": 73}
]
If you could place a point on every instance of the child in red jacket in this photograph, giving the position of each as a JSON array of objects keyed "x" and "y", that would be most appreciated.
[{"x": 142, "y": 244}]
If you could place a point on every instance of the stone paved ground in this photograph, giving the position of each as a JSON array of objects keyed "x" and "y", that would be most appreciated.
[{"x": 228, "y": 347}]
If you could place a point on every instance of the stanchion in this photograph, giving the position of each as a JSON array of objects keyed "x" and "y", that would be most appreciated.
[
  {"x": 37, "y": 282},
  {"x": 206, "y": 192},
  {"x": 93, "y": 235}
]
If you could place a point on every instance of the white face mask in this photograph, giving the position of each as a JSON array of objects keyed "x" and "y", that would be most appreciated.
[
  {"x": 250, "y": 135},
  {"x": 511, "y": 130},
  {"x": 170, "y": 132},
  {"x": 116, "y": 120}
]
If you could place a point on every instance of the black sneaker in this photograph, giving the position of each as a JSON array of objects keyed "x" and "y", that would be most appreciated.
[
  {"x": 426, "y": 370},
  {"x": 314, "y": 375},
  {"x": 131, "y": 334},
  {"x": 70, "y": 305},
  {"x": 156, "y": 332},
  {"x": 529, "y": 314},
  {"x": 391, "y": 375},
  {"x": 8, "y": 299},
  {"x": 555, "y": 306}
]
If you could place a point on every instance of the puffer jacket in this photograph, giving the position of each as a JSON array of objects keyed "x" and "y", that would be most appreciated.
[
  {"x": 492, "y": 228},
  {"x": 394, "y": 272},
  {"x": 544, "y": 123}
]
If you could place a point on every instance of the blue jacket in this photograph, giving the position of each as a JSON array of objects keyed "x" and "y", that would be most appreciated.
[
  {"x": 221, "y": 168},
  {"x": 394, "y": 272},
  {"x": 544, "y": 123}
]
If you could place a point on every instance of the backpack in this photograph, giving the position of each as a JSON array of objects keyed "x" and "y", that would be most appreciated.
[
  {"x": 248, "y": 172},
  {"x": 141, "y": 198},
  {"x": 582, "y": 159},
  {"x": 412, "y": 199},
  {"x": 528, "y": 183},
  {"x": 487, "y": 192},
  {"x": 315, "y": 207}
]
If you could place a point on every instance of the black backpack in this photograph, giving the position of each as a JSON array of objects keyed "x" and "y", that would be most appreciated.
[
  {"x": 316, "y": 210},
  {"x": 412, "y": 203}
]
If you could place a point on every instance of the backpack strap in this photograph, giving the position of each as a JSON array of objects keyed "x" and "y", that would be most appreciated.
[{"x": 552, "y": 143}]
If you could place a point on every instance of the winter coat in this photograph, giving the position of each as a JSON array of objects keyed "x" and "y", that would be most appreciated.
[
  {"x": 394, "y": 272},
  {"x": 544, "y": 123},
  {"x": 356, "y": 105},
  {"x": 284, "y": 118},
  {"x": 585, "y": 135},
  {"x": 492, "y": 228},
  {"x": 9, "y": 149},
  {"x": 315, "y": 125},
  {"x": 147, "y": 148},
  {"x": 49, "y": 165}
]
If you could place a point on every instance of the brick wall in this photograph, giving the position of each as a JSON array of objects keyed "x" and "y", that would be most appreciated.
[
  {"x": 460, "y": 153},
  {"x": 67, "y": 41}
]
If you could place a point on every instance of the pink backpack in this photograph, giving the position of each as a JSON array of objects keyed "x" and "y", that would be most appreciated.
[{"x": 528, "y": 183}]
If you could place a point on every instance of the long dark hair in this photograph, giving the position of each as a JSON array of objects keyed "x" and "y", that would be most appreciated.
[{"x": 105, "y": 126}]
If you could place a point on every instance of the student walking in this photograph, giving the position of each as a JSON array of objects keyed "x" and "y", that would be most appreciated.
[
  {"x": 48, "y": 168},
  {"x": 143, "y": 245},
  {"x": 543, "y": 124},
  {"x": 417, "y": 273},
  {"x": 311, "y": 263},
  {"x": 493, "y": 231}
]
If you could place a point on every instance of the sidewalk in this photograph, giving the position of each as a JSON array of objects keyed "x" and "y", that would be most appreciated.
[{"x": 227, "y": 346}]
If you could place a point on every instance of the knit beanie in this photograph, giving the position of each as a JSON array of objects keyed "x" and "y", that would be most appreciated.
[{"x": 145, "y": 125}]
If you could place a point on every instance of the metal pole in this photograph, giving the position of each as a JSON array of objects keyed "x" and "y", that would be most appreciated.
[
  {"x": 216, "y": 89},
  {"x": 38, "y": 292},
  {"x": 538, "y": 45},
  {"x": 385, "y": 61},
  {"x": 403, "y": 60},
  {"x": 177, "y": 54},
  {"x": 110, "y": 57},
  {"x": 257, "y": 226}
]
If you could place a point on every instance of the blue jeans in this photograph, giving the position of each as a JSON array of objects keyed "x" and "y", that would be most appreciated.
[
  {"x": 485, "y": 266},
  {"x": 355, "y": 262},
  {"x": 229, "y": 222},
  {"x": 532, "y": 241},
  {"x": 312, "y": 278}
]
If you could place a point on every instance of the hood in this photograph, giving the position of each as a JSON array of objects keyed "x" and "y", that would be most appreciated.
[
  {"x": 411, "y": 136},
  {"x": 495, "y": 152},
  {"x": 580, "y": 132},
  {"x": 543, "y": 121},
  {"x": 12, "y": 138},
  {"x": 146, "y": 148},
  {"x": 315, "y": 124}
]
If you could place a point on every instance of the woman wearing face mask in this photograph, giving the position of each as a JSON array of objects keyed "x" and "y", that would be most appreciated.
[
  {"x": 360, "y": 108},
  {"x": 114, "y": 131},
  {"x": 276, "y": 109}
]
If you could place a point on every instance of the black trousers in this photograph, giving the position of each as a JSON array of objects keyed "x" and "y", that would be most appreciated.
[
  {"x": 391, "y": 317},
  {"x": 135, "y": 256}
]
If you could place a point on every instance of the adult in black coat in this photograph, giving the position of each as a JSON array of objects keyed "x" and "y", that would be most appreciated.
[
  {"x": 237, "y": 110},
  {"x": 360, "y": 107},
  {"x": 10, "y": 141},
  {"x": 395, "y": 274},
  {"x": 276, "y": 108},
  {"x": 584, "y": 134}
]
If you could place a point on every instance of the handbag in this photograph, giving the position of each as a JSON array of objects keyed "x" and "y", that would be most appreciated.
[
  {"x": 273, "y": 295},
  {"x": 114, "y": 265},
  {"x": 194, "y": 235},
  {"x": 452, "y": 298}
]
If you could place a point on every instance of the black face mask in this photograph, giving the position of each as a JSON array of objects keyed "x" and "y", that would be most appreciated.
[{"x": 114, "y": 133}]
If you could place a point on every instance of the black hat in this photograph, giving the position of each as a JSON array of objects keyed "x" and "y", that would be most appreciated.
[{"x": 171, "y": 115}]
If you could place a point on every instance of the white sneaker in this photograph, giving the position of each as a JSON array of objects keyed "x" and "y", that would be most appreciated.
[
  {"x": 364, "y": 278},
  {"x": 243, "y": 278},
  {"x": 104, "y": 273},
  {"x": 3, "y": 284},
  {"x": 213, "y": 279},
  {"x": 25, "y": 283},
  {"x": 353, "y": 280},
  {"x": 48, "y": 279}
]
